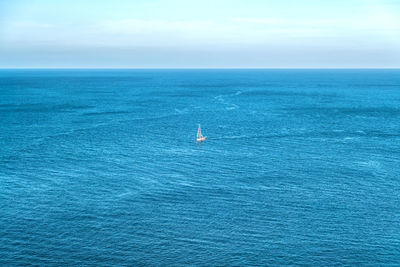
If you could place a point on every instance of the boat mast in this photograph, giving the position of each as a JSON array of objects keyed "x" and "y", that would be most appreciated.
[{"x": 199, "y": 132}]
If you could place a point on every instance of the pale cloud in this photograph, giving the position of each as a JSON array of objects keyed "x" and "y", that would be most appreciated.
[
  {"x": 139, "y": 32},
  {"x": 288, "y": 38}
]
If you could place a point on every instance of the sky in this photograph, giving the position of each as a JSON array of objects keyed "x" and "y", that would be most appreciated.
[{"x": 199, "y": 34}]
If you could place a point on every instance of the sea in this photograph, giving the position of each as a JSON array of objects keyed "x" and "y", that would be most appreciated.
[{"x": 101, "y": 167}]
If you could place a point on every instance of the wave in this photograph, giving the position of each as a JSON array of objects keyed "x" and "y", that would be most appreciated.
[
  {"x": 181, "y": 111},
  {"x": 228, "y": 105},
  {"x": 233, "y": 107}
]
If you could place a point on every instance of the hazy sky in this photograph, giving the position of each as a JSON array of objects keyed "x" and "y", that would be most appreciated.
[{"x": 202, "y": 33}]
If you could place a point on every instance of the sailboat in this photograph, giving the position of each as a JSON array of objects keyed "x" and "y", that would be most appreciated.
[{"x": 200, "y": 138}]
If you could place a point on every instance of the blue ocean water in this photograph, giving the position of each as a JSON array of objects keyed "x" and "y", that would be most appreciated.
[{"x": 101, "y": 167}]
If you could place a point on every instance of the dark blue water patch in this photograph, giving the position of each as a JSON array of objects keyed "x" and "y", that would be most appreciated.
[
  {"x": 282, "y": 93},
  {"x": 41, "y": 107},
  {"x": 101, "y": 167},
  {"x": 105, "y": 113},
  {"x": 381, "y": 112}
]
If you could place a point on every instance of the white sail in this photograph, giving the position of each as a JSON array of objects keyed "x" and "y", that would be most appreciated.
[
  {"x": 199, "y": 132},
  {"x": 200, "y": 137}
]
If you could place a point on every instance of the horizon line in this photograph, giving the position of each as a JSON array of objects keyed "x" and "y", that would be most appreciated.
[{"x": 200, "y": 68}]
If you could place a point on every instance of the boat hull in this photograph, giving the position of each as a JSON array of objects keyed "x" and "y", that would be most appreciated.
[{"x": 201, "y": 139}]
